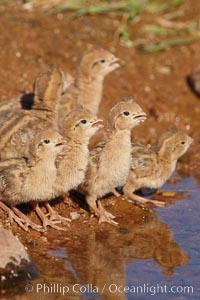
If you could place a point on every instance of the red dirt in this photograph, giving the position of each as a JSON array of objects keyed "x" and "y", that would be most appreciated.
[{"x": 30, "y": 40}]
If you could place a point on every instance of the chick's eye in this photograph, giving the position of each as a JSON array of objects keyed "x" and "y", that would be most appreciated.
[
  {"x": 46, "y": 141},
  {"x": 102, "y": 61},
  {"x": 183, "y": 143},
  {"x": 83, "y": 121},
  {"x": 126, "y": 113}
]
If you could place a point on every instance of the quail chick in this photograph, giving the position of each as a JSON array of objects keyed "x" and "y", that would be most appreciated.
[
  {"x": 150, "y": 168},
  {"x": 48, "y": 88},
  {"x": 30, "y": 178},
  {"x": 78, "y": 128},
  {"x": 43, "y": 96},
  {"x": 86, "y": 91},
  {"x": 20, "y": 125},
  {"x": 109, "y": 161}
]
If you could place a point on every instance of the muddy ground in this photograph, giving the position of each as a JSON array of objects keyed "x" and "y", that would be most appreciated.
[{"x": 31, "y": 39}]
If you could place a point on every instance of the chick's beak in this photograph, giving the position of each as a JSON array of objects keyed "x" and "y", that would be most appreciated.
[
  {"x": 191, "y": 140},
  {"x": 97, "y": 123},
  {"x": 142, "y": 116},
  {"x": 115, "y": 61},
  {"x": 60, "y": 143}
]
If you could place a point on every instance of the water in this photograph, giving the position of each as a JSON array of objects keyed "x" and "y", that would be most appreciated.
[{"x": 158, "y": 259}]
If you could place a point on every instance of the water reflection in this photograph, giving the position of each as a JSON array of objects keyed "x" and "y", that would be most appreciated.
[{"x": 100, "y": 257}]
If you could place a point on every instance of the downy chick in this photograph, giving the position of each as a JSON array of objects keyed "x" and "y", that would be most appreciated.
[
  {"x": 86, "y": 91},
  {"x": 44, "y": 83},
  {"x": 18, "y": 125},
  {"x": 150, "y": 168},
  {"x": 78, "y": 127},
  {"x": 30, "y": 178},
  {"x": 109, "y": 161}
]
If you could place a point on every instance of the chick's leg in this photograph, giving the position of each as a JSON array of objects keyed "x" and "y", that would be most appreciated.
[
  {"x": 103, "y": 211},
  {"x": 104, "y": 216},
  {"x": 45, "y": 221},
  {"x": 54, "y": 216},
  {"x": 27, "y": 221},
  {"x": 115, "y": 192},
  {"x": 13, "y": 217},
  {"x": 22, "y": 220},
  {"x": 128, "y": 191}
]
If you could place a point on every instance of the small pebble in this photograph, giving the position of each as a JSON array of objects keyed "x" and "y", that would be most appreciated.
[
  {"x": 163, "y": 70},
  {"x": 28, "y": 6},
  {"x": 59, "y": 16},
  {"x": 187, "y": 127},
  {"x": 44, "y": 239},
  {"x": 147, "y": 89},
  {"x": 18, "y": 54},
  {"x": 74, "y": 215},
  {"x": 152, "y": 77},
  {"x": 123, "y": 230}
]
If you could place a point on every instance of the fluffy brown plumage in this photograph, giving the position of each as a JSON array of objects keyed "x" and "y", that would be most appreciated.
[
  {"x": 20, "y": 122},
  {"x": 30, "y": 178},
  {"x": 78, "y": 128},
  {"x": 109, "y": 161},
  {"x": 86, "y": 91},
  {"x": 150, "y": 168}
]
